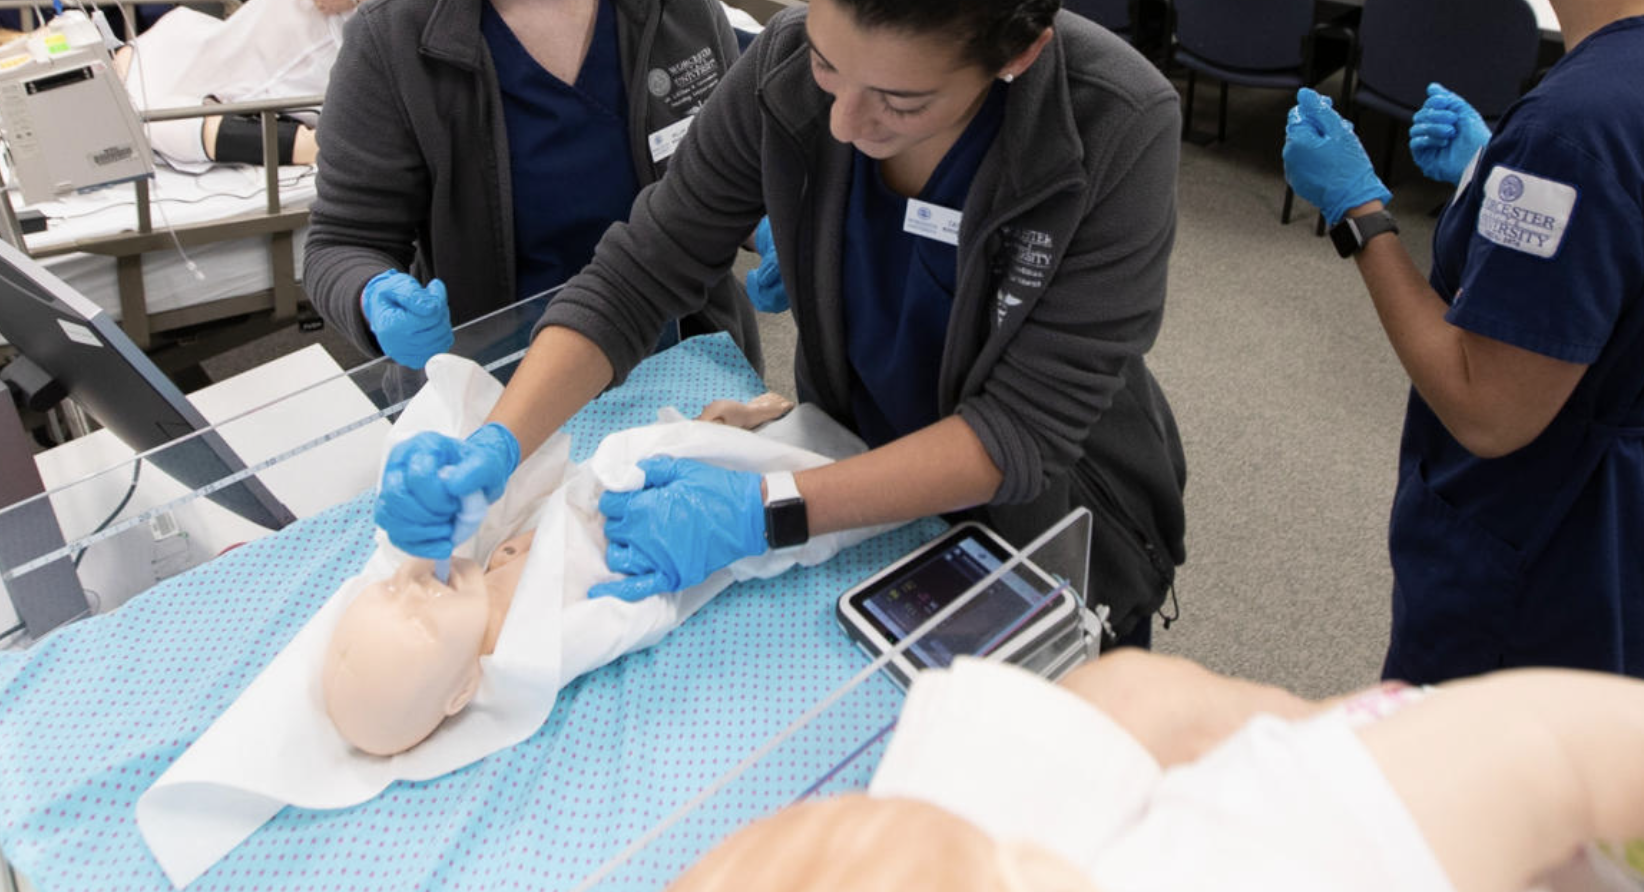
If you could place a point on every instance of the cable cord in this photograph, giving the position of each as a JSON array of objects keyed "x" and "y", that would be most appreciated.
[
  {"x": 136, "y": 471},
  {"x": 142, "y": 89}
]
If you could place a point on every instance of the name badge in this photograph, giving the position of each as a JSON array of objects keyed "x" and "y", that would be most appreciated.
[
  {"x": 932, "y": 221},
  {"x": 663, "y": 142}
]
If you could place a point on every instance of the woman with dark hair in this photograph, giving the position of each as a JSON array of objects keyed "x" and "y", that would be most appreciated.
[{"x": 974, "y": 205}]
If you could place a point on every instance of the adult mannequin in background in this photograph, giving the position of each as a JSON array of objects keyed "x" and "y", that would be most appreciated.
[
  {"x": 477, "y": 149},
  {"x": 974, "y": 204},
  {"x": 1482, "y": 785},
  {"x": 267, "y": 49},
  {"x": 1520, "y": 503}
]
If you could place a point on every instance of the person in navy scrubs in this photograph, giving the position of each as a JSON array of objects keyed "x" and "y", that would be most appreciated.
[
  {"x": 476, "y": 150},
  {"x": 973, "y": 203},
  {"x": 1517, "y": 534}
]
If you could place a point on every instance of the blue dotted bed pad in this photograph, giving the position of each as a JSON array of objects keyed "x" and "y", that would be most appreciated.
[{"x": 93, "y": 714}]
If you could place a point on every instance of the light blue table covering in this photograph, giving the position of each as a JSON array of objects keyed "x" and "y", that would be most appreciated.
[{"x": 95, "y": 713}]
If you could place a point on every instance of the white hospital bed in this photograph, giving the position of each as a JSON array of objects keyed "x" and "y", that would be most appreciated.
[{"x": 187, "y": 250}]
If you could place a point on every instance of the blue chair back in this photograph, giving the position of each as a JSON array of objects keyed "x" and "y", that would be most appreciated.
[
  {"x": 1484, "y": 50},
  {"x": 1114, "y": 15},
  {"x": 1260, "y": 35}
]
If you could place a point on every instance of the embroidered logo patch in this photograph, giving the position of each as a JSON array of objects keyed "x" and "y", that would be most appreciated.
[
  {"x": 658, "y": 82},
  {"x": 1525, "y": 212}
]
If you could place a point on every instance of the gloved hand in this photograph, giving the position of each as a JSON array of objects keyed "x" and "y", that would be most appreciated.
[
  {"x": 765, "y": 287},
  {"x": 426, "y": 479},
  {"x": 412, "y": 323},
  {"x": 688, "y": 520},
  {"x": 1324, "y": 161},
  {"x": 1446, "y": 134}
]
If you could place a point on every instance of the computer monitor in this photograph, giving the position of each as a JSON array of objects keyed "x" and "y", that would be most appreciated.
[
  {"x": 78, "y": 345},
  {"x": 48, "y": 596}
]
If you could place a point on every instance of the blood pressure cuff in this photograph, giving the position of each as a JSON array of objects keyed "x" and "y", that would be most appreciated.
[{"x": 240, "y": 139}]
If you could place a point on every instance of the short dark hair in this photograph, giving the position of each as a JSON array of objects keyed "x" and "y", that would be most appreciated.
[{"x": 991, "y": 32}]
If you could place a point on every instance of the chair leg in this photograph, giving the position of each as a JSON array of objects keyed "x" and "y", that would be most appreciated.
[
  {"x": 1187, "y": 110},
  {"x": 1289, "y": 200},
  {"x": 1318, "y": 228},
  {"x": 1221, "y": 116}
]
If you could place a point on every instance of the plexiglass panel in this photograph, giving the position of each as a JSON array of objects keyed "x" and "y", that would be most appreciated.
[
  {"x": 288, "y": 440},
  {"x": 832, "y": 746}
]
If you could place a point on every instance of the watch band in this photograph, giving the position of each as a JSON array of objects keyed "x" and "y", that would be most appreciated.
[
  {"x": 786, "y": 522},
  {"x": 1353, "y": 233}
]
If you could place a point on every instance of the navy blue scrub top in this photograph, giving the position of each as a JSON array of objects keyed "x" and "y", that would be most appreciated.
[
  {"x": 1532, "y": 557},
  {"x": 899, "y": 286},
  {"x": 568, "y": 152}
]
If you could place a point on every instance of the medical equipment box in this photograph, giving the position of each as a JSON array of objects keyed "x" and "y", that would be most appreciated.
[{"x": 68, "y": 123}]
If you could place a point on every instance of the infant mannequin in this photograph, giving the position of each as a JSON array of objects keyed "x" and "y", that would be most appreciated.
[{"x": 406, "y": 653}]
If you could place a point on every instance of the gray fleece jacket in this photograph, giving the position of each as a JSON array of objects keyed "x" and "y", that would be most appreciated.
[
  {"x": 414, "y": 155},
  {"x": 1063, "y": 251}
]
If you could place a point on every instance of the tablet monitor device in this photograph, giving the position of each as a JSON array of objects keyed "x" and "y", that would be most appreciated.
[{"x": 1025, "y": 617}]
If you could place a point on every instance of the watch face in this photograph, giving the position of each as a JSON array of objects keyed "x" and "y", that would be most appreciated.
[
  {"x": 786, "y": 524},
  {"x": 1345, "y": 237}
]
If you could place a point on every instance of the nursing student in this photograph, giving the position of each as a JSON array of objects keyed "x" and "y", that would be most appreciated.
[
  {"x": 1516, "y": 527},
  {"x": 476, "y": 150},
  {"x": 974, "y": 206}
]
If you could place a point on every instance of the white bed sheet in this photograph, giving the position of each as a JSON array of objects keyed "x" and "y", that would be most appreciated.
[{"x": 229, "y": 268}]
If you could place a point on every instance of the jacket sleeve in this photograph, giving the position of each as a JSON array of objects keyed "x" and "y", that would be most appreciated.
[
  {"x": 1099, "y": 314},
  {"x": 373, "y": 187},
  {"x": 682, "y": 234}
]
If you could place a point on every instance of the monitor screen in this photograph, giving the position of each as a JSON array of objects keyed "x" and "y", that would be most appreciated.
[
  {"x": 80, "y": 346},
  {"x": 46, "y": 597},
  {"x": 902, "y": 603}
]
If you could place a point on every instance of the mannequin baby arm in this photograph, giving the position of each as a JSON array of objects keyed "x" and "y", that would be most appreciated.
[
  {"x": 1177, "y": 709},
  {"x": 1508, "y": 774},
  {"x": 750, "y": 415}
]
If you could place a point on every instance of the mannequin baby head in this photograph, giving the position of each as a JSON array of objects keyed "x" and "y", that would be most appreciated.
[
  {"x": 405, "y": 654},
  {"x": 857, "y": 843}
]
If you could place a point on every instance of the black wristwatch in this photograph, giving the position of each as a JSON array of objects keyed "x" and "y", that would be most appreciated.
[
  {"x": 1352, "y": 233},
  {"x": 786, "y": 524}
]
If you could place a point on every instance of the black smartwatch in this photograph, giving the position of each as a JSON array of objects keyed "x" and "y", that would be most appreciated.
[
  {"x": 785, "y": 522},
  {"x": 1352, "y": 233}
]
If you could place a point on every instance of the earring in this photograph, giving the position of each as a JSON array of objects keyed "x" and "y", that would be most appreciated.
[{"x": 1007, "y": 77}]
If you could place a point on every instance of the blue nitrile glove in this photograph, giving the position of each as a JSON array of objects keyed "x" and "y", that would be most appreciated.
[
  {"x": 426, "y": 479},
  {"x": 1324, "y": 161},
  {"x": 688, "y": 520},
  {"x": 765, "y": 282},
  {"x": 411, "y": 323},
  {"x": 1445, "y": 135}
]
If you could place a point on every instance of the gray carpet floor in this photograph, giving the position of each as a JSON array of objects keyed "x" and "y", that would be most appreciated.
[{"x": 1289, "y": 400}]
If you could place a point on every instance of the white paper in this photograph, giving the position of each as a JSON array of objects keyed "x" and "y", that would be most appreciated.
[{"x": 275, "y": 746}]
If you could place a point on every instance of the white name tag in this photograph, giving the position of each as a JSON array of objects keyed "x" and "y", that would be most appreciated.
[
  {"x": 663, "y": 142},
  {"x": 79, "y": 334},
  {"x": 932, "y": 221},
  {"x": 1525, "y": 212}
]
